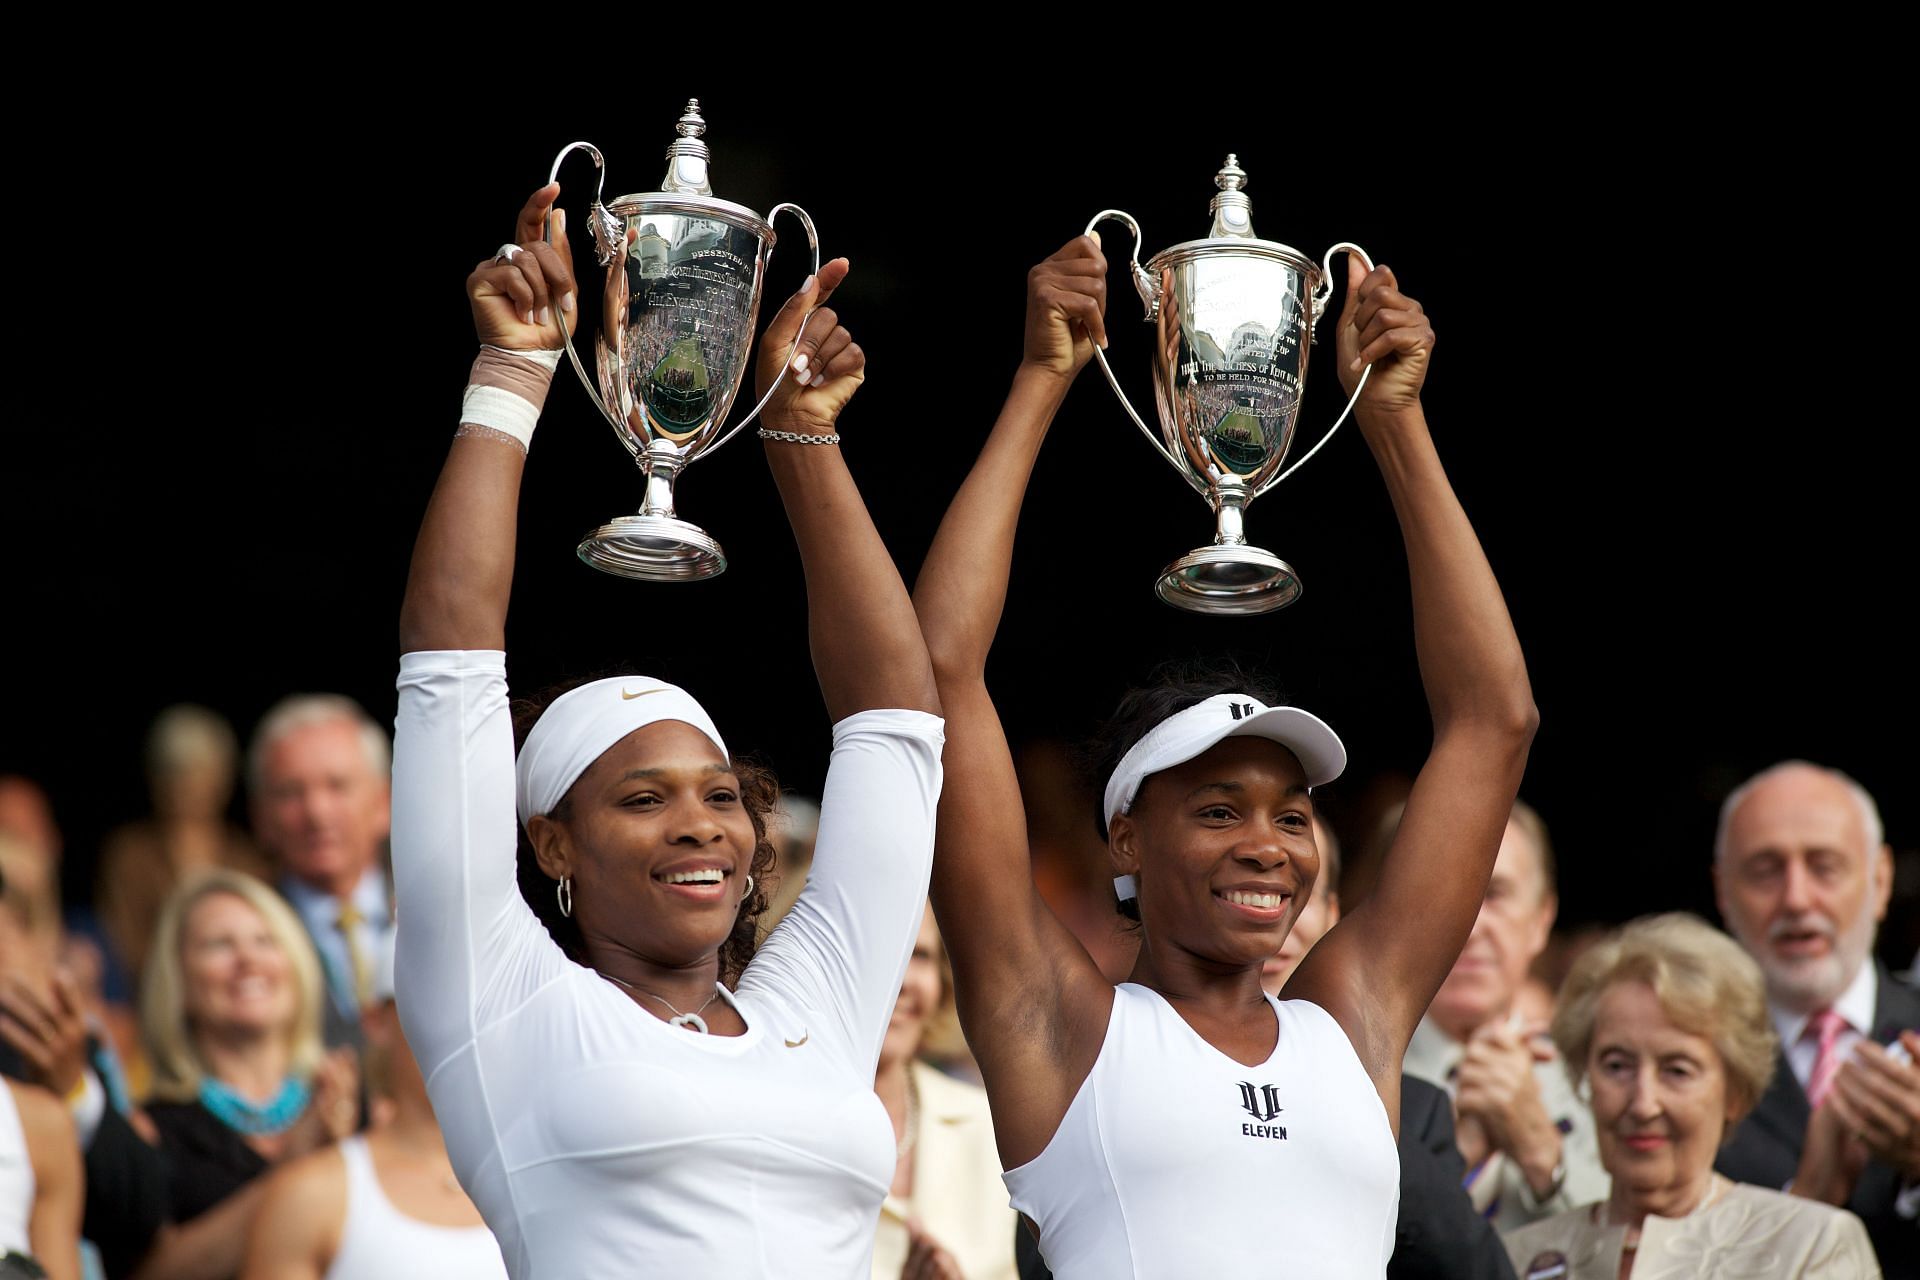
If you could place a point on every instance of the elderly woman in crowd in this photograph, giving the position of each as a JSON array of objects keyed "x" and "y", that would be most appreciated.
[
  {"x": 946, "y": 1215},
  {"x": 1666, "y": 1026},
  {"x": 231, "y": 1013}
]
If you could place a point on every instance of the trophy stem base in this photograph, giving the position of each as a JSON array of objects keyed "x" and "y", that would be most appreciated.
[
  {"x": 1229, "y": 580},
  {"x": 654, "y": 549}
]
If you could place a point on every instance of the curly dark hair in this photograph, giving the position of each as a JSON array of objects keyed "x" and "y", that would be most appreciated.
[
  {"x": 1171, "y": 687},
  {"x": 759, "y": 792}
]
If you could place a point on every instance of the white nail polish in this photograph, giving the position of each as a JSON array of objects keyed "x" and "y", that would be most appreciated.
[
  {"x": 800, "y": 363},
  {"x": 806, "y": 286},
  {"x": 819, "y": 380},
  {"x": 566, "y": 301},
  {"x": 529, "y": 316},
  {"x": 545, "y": 315}
]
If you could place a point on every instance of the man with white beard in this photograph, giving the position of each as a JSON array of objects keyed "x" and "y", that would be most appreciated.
[{"x": 1803, "y": 878}]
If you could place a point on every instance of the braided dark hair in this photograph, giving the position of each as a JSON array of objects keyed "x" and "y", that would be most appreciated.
[{"x": 759, "y": 792}]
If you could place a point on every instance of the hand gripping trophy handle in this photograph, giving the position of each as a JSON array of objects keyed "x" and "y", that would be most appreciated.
[
  {"x": 1322, "y": 292},
  {"x": 1150, "y": 295},
  {"x": 786, "y": 365},
  {"x": 566, "y": 335}
]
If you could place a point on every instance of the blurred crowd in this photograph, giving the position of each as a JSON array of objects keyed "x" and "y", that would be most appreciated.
[{"x": 206, "y": 1076}]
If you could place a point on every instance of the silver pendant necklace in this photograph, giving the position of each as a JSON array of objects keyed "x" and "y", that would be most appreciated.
[{"x": 691, "y": 1021}]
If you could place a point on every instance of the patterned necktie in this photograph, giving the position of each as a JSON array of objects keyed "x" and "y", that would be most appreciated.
[
  {"x": 350, "y": 922},
  {"x": 1827, "y": 1025}
]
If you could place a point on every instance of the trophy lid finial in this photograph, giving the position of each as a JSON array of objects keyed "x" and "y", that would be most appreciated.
[
  {"x": 1232, "y": 210},
  {"x": 688, "y": 156}
]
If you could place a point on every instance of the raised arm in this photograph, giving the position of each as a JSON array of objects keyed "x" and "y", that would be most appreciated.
[
  {"x": 1033, "y": 1005},
  {"x": 867, "y": 650},
  {"x": 462, "y": 570},
  {"x": 1375, "y": 971}
]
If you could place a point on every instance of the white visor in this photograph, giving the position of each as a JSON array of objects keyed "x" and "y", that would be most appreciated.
[
  {"x": 582, "y": 723},
  {"x": 1186, "y": 734}
]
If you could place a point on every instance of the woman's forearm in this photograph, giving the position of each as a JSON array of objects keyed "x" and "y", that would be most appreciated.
[
  {"x": 1470, "y": 659},
  {"x": 462, "y": 571},
  {"x": 867, "y": 649},
  {"x": 211, "y": 1246},
  {"x": 962, "y": 588}
]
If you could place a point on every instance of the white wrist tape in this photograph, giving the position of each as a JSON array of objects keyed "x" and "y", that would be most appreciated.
[
  {"x": 548, "y": 358},
  {"x": 502, "y": 410}
]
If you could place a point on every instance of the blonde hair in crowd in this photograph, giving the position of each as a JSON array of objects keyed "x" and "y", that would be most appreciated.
[
  {"x": 177, "y": 1068},
  {"x": 1706, "y": 983}
]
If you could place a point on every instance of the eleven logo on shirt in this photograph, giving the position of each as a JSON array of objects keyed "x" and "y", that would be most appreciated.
[{"x": 1262, "y": 1102}]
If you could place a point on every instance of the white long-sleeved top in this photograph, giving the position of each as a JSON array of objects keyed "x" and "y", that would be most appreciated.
[{"x": 595, "y": 1139}]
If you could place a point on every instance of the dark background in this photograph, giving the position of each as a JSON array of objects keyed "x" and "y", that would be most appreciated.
[{"x": 1661, "y": 388}]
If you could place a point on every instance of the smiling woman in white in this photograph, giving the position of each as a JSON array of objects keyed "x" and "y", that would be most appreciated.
[{"x": 611, "y": 1106}]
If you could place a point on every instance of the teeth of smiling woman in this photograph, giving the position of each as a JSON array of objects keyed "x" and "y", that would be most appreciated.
[
  {"x": 709, "y": 875},
  {"x": 1265, "y": 901}
]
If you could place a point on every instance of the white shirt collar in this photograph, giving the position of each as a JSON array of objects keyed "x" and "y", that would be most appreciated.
[
  {"x": 1856, "y": 1005},
  {"x": 314, "y": 905}
]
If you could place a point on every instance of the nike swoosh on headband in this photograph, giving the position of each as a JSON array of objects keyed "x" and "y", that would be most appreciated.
[
  {"x": 795, "y": 1044},
  {"x": 629, "y": 697}
]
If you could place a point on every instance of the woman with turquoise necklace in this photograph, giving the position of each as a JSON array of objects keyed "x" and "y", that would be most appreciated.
[{"x": 231, "y": 1015}]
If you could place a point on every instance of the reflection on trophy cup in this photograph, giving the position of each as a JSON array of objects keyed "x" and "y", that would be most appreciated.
[
  {"x": 1234, "y": 317},
  {"x": 684, "y": 271}
]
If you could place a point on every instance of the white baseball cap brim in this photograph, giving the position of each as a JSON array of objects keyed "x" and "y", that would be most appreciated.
[{"x": 1187, "y": 734}]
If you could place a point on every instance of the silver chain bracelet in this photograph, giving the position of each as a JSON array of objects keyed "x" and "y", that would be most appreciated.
[{"x": 799, "y": 437}]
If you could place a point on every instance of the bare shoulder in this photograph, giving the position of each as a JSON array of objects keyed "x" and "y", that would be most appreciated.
[
  {"x": 307, "y": 1178},
  {"x": 1334, "y": 976},
  {"x": 303, "y": 1209},
  {"x": 43, "y": 1117}
]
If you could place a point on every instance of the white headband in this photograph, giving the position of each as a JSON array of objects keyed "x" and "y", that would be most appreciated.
[
  {"x": 1186, "y": 734},
  {"x": 582, "y": 723}
]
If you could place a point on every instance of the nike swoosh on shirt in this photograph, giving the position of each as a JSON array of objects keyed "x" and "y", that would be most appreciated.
[
  {"x": 629, "y": 697},
  {"x": 795, "y": 1044}
]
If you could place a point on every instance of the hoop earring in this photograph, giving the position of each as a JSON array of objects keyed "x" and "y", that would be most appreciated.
[
  {"x": 748, "y": 893},
  {"x": 563, "y": 894}
]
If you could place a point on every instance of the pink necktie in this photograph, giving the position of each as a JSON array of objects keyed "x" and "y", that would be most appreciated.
[{"x": 1827, "y": 1025}]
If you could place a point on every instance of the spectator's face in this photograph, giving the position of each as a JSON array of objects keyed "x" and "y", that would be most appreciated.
[
  {"x": 1659, "y": 1098},
  {"x": 1515, "y": 918},
  {"x": 919, "y": 996},
  {"x": 237, "y": 976},
  {"x": 1799, "y": 887},
  {"x": 321, "y": 809}
]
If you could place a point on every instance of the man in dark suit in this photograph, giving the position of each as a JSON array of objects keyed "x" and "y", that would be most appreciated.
[{"x": 1803, "y": 879}]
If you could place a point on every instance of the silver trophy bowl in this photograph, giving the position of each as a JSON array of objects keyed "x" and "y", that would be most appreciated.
[
  {"x": 682, "y": 294},
  {"x": 1233, "y": 320}
]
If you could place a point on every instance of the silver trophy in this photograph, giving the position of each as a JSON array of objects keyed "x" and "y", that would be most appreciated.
[
  {"x": 1234, "y": 317},
  {"x": 684, "y": 271}
]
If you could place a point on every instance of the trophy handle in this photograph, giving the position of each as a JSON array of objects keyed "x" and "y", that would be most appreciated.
[
  {"x": 1321, "y": 293},
  {"x": 1149, "y": 295},
  {"x": 604, "y": 251},
  {"x": 786, "y": 366}
]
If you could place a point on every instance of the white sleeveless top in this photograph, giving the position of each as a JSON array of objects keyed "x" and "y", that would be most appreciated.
[
  {"x": 16, "y": 1177},
  {"x": 378, "y": 1242},
  {"x": 1176, "y": 1161}
]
